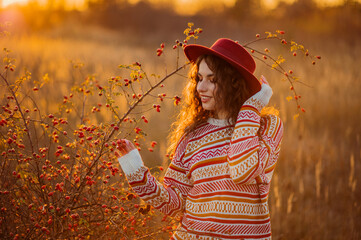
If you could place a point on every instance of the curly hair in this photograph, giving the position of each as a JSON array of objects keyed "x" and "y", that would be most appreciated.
[{"x": 231, "y": 93}]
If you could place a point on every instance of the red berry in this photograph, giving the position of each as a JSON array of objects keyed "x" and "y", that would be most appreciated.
[
  {"x": 159, "y": 52},
  {"x": 153, "y": 143}
]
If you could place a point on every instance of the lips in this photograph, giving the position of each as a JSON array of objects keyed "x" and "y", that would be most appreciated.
[{"x": 205, "y": 99}]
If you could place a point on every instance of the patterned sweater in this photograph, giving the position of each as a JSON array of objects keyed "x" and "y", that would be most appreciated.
[{"x": 219, "y": 179}]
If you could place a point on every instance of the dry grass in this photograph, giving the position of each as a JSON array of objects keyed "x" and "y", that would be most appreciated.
[{"x": 316, "y": 188}]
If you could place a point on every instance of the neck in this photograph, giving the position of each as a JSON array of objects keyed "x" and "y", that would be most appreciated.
[{"x": 220, "y": 115}]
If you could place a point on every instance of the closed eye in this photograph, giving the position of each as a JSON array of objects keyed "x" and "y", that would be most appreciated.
[{"x": 210, "y": 77}]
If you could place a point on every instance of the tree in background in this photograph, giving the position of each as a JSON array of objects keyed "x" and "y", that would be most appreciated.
[{"x": 244, "y": 9}]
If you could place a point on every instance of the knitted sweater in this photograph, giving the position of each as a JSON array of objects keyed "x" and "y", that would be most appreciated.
[{"x": 219, "y": 178}]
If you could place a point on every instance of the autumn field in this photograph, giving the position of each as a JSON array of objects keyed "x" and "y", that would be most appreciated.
[{"x": 75, "y": 74}]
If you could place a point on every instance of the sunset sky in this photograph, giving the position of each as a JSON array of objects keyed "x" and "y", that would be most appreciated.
[{"x": 179, "y": 4}]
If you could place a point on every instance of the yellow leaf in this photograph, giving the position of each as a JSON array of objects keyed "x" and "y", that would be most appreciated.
[
  {"x": 46, "y": 77},
  {"x": 296, "y": 116},
  {"x": 289, "y": 98},
  {"x": 293, "y": 48},
  {"x": 45, "y": 80},
  {"x": 269, "y": 34},
  {"x": 278, "y": 62}
]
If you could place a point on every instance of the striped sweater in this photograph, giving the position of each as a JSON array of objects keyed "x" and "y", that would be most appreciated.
[{"x": 219, "y": 179}]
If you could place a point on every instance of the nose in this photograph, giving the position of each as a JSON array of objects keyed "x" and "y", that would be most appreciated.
[{"x": 201, "y": 86}]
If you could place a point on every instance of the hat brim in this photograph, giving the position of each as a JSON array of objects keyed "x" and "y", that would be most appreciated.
[{"x": 193, "y": 51}]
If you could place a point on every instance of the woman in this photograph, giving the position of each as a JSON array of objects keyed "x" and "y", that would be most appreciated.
[{"x": 225, "y": 152}]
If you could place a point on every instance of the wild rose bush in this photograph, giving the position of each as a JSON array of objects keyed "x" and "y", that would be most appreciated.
[{"x": 59, "y": 177}]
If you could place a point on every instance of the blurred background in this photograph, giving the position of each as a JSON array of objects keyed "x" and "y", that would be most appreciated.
[{"x": 315, "y": 192}]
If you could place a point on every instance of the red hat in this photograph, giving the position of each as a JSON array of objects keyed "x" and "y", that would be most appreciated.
[{"x": 234, "y": 54}]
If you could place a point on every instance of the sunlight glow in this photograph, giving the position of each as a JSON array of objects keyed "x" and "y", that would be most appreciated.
[
  {"x": 186, "y": 7},
  {"x": 271, "y": 4},
  {"x": 6, "y": 3},
  {"x": 69, "y": 3}
]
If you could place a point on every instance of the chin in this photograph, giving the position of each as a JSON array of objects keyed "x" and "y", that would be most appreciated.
[{"x": 208, "y": 108}]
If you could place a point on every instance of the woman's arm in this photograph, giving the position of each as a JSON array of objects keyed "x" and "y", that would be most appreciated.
[
  {"x": 248, "y": 156},
  {"x": 168, "y": 197},
  {"x": 271, "y": 134}
]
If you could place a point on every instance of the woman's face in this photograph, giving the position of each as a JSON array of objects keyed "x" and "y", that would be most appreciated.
[{"x": 206, "y": 86}]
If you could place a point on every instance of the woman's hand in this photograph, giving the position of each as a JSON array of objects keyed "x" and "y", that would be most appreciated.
[
  {"x": 128, "y": 157},
  {"x": 262, "y": 97},
  {"x": 124, "y": 146},
  {"x": 265, "y": 94}
]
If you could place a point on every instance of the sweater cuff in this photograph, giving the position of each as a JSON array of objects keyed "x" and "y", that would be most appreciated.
[
  {"x": 261, "y": 98},
  {"x": 131, "y": 162}
]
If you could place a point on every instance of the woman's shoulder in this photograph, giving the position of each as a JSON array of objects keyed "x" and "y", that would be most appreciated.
[
  {"x": 201, "y": 130},
  {"x": 198, "y": 130}
]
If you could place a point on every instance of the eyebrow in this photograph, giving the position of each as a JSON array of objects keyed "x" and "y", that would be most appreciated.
[{"x": 209, "y": 75}]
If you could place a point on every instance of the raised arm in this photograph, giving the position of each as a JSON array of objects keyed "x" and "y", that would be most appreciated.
[
  {"x": 246, "y": 156},
  {"x": 168, "y": 197},
  {"x": 271, "y": 134}
]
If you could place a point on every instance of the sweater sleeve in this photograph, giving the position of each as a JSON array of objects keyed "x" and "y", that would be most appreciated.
[
  {"x": 250, "y": 155},
  {"x": 170, "y": 196},
  {"x": 271, "y": 134}
]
